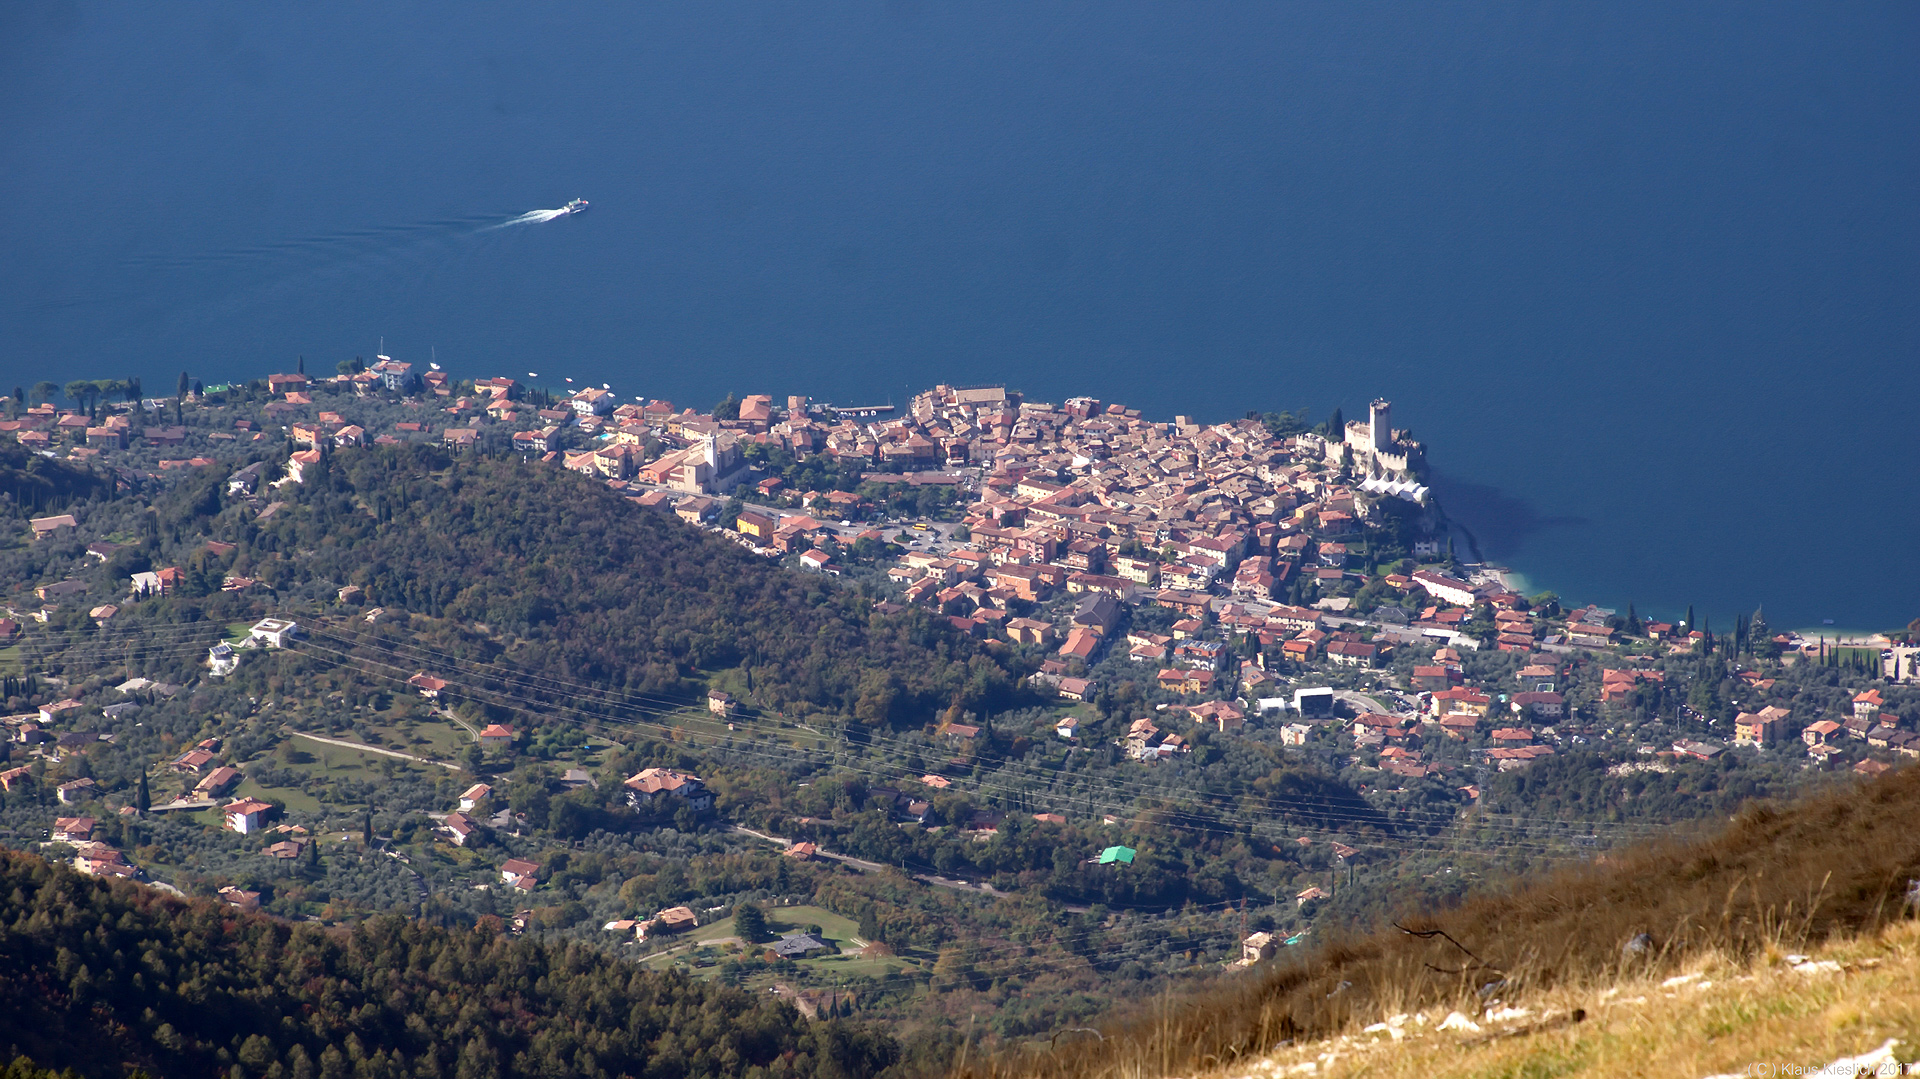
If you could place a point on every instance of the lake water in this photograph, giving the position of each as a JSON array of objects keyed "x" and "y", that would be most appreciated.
[{"x": 1643, "y": 275}]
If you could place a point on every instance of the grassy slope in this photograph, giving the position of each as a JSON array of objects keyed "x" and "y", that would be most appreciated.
[
  {"x": 1828, "y": 869},
  {"x": 1719, "y": 1016}
]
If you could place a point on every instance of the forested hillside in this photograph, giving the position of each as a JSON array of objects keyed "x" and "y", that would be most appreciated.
[
  {"x": 585, "y": 588},
  {"x": 101, "y": 977},
  {"x": 36, "y": 485}
]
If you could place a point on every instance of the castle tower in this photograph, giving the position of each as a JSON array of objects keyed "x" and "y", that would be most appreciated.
[{"x": 1380, "y": 420}]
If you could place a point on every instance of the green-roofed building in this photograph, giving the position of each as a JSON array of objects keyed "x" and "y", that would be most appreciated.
[{"x": 1122, "y": 855}]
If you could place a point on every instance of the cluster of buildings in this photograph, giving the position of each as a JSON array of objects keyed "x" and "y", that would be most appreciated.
[
  {"x": 1868, "y": 722},
  {"x": 92, "y": 856},
  {"x": 1222, "y": 523},
  {"x": 1218, "y": 523},
  {"x": 86, "y": 435},
  {"x": 1066, "y": 485},
  {"x": 66, "y": 728},
  {"x": 1247, "y": 536}
]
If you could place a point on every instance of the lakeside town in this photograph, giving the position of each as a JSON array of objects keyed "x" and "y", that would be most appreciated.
[{"x": 1174, "y": 583}]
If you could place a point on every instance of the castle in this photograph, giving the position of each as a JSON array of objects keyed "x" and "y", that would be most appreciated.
[{"x": 1373, "y": 448}]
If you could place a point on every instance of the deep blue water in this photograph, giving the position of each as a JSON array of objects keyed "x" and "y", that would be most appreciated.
[{"x": 1642, "y": 274}]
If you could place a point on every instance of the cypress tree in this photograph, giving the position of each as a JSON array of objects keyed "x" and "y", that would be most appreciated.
[{"x": 142, "y": 801}]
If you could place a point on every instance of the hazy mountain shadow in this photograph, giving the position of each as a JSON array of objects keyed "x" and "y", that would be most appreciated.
[{"x": 1495, "y": 524}]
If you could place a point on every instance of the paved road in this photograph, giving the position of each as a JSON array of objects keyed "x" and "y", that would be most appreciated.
[
  {"x": 1362, "y": 701},
  {"x": 364, "y": 748},
  {"x": 453, "y": 717}
]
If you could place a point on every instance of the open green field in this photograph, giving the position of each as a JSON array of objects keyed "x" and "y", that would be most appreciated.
[
  {"x": 339, "y": 761},
  {"x": 702, "y": 727},
  {"x": 436, "y": 738},
  {"x": 296, "y": 800},
  {"x": 696, "y": 946},
  {"x": 10, "y": 660},
  {"x": 839, "y": 930},
  {"x": 442, "y": 852}
]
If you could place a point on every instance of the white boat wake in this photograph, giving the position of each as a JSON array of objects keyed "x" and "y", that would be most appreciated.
[
  {"x": 532, "y": 217},
  {"x": 540, "y": 217}
]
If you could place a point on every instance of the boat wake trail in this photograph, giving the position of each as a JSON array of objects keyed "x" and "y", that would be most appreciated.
[
  {"x": 531, "y": 217},
  {"x": 175, "y": 288},
  {"x": 344, "y": 244}
]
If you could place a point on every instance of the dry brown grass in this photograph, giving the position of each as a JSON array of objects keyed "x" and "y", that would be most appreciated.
[
  {"x": 1719, "y": 1018},
  {"x": 1777, "y": 878}
]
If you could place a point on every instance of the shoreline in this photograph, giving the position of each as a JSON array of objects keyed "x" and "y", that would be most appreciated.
[{"x": 440, "y": 383}]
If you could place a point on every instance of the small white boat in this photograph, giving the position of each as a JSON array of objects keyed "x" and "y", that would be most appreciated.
[{"x": 576, "y": 206}]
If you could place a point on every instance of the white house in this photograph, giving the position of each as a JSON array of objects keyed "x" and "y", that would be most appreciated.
[
  {"x": 246, "y": 480},
  {"x": 1313, "y": 701},
  {"x": 428, "y": 685},
  {"x": 393, "y": 373},
  {"x": 274, "y": 632},
  {"x": 75, "y": 792},
  {"x": 1451, "y": 589},
  {"x": 300, "y": 463},
  {"x": 656, "y": 786},
  {"x": 247, "y": 815},
  {"x": 223, "y": 659},
  {"x": 591, "y": 402},
  {"x": 459, "y": 828}
]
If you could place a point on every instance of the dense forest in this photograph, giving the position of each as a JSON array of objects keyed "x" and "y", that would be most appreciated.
[{"x": 101, "y": 977}]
